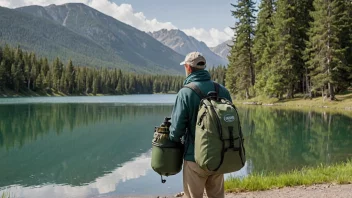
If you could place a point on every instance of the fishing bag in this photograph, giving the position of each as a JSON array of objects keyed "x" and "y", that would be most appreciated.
[{"x": 218, "y": 136}]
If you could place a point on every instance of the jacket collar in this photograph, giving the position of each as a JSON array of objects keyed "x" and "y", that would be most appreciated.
[{"x": 200, "y": 75}]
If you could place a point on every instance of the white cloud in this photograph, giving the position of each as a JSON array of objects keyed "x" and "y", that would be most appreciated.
[
  {"x": 133, "y": 169},
  {"x": 126, "y": 14},
  {"x": 4, "y": 3},
  {"x": 212, "y": 37}
]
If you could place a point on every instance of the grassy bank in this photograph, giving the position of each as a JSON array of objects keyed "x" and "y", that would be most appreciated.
[
  {"x": 5, "y": 195},
  {"x": 338, "y": 173},
  {"x": 343, "y": 101}
]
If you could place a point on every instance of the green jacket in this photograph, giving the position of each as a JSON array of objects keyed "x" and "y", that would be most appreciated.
[{"x": 184, "y": 113}]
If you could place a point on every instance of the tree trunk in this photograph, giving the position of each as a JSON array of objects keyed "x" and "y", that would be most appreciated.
[
  {"x": 29, "y": 84},
  {"x": 290, "y": 92},
  {"x": 309, "y": 91},
  {"x": 331, "y": 91},
  {"x": 247, "y": 94},
  {"x": 303, "y": 85},
  {"x": 330, "y": 86}
]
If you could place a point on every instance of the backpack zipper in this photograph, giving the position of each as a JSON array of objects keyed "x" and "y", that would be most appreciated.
[{"x": 220, "y": 133}]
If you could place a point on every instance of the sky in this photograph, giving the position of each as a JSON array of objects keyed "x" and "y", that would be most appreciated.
[{"x": 206, "y": 20}]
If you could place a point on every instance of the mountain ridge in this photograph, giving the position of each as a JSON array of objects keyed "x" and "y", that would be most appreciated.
[
  {"x": 223, "y": 49},
  {"x": 183, "y": 44},
  {"x": 107, "y": 42}
]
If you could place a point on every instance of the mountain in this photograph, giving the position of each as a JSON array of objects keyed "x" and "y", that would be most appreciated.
[
  {"x": 223, "y": 49},
  {"x": 183, "y": 44},
  {"x": 88, "y": 37},
  {"x": 50, "y": 40}
]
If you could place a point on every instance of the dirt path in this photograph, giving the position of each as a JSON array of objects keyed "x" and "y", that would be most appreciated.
[{"x": 316, "y": 191}]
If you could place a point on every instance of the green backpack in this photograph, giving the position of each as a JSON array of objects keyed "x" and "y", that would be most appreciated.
[{"x": 218, "y": 136}]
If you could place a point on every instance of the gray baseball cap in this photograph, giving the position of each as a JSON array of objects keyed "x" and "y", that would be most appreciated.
[{"x": 195, "y": 59}]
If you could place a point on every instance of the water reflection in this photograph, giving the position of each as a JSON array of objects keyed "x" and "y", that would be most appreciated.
[
  {"x": 106, "y": 184},
  {"x": 92, "y": 150},
  {"x": 75, "y": 145},
  {"x": 281, "y": 140}
]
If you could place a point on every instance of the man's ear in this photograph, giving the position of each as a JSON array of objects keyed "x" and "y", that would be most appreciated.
[{"x": 188, "y": 68}]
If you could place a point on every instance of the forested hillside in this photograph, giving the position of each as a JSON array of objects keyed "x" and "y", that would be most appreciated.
[
  {"x": 291, "y": 47},
  {"x": 22, "y": 72}
]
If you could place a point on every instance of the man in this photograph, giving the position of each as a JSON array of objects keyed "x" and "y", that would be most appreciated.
[{"x": 183, "y": 124}]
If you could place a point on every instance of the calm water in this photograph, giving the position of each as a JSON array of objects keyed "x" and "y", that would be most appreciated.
[{"x": 54, "y": 147}]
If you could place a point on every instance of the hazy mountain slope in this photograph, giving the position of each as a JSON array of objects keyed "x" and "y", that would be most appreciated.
[
  {"x": 183, "y": 44},
  {"x": 223, "y": 49},
  {"x": 51, "y": 40},
  {"x": 127, "y": 42}
]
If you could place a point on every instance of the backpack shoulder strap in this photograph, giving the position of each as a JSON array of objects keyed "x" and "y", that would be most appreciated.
[
  {"x": 196, "y": 89},
  {"x": 217, "y": 87}
]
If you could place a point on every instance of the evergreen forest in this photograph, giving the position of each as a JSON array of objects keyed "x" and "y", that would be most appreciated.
[
  {"x": 291, "y": 47},
  {"x": 23, "y": 72}
]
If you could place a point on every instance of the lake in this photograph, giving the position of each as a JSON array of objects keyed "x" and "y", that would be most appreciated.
[{"x": 101, "y": 146}]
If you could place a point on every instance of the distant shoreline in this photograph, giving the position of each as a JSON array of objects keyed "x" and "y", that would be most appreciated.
[
  {"x": 343, "y": 102},
  {"x": 60, "y": 94}
]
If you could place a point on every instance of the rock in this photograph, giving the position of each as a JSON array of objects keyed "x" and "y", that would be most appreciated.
[
  {"x": 268, "y": 104},
  {"x": 179, "y": 194}
]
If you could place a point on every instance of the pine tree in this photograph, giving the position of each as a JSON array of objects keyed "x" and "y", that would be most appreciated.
[
  {"x": 105, "y": 81},
  {"x": 80, "y": 80},
  {"x": 2, "y": 75},
  {"x": 325, "y": 53},
  {"x": 131, "y": 84},
  {"x": 35, "y": 71},
  {"x": 70, "y": 77},
  {"x": 89, "y": 81},
  {"x": 156, "y": 86},
  {"x": 286, "y": 62},
  {"x": 57, "y": 73},
  {"x": 261, "y": 40},
  {"x": 119, "y": 87},
  {"x": 44, "y": 66},
  {"x": 1, "y": 54},
  {"x": 39, "y": 82},
  {"x": 45, "y": 74},
  {"x": 33, "y": 75},
  {"x": 241, "y": 75},
  {"x": 95, "y": 85},
  {"x": 27, "y": 72},
  {"x": 345, "y": 73},
  {"x": 16, "y": 76},
  {"x": 114, "y": 79}
]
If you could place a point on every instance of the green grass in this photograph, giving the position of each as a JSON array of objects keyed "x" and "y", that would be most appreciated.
[
  {"x": 338, "y": 173},
  {"x": 5, "y": 195},
  {"x": 343, "y": 102}
]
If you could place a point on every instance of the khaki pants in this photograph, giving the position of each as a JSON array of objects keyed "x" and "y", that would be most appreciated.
[{"x": 195, "y": 179}]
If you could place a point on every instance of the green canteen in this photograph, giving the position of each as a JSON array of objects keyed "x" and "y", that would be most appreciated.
[{"x": 167, "y": 156}]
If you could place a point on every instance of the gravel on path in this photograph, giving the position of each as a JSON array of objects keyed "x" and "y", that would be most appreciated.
[{"x": 315, "y": 191}]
